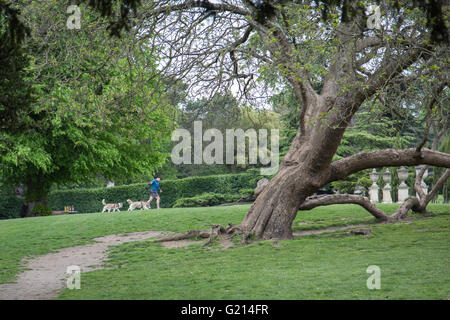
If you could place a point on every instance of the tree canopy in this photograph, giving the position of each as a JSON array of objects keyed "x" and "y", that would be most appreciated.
[{"x": 79, "y": 105}]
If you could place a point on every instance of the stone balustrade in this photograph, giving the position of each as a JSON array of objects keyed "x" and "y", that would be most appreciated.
[{"x": 403, "y": 189}]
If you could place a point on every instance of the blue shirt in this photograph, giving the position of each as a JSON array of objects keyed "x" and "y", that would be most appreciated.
[{"x": 155, "y": 185}]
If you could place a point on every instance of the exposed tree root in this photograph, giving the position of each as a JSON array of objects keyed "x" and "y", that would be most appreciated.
[
  {"x": 216, "y": 230},
  {"x": 191, "y": 234}
]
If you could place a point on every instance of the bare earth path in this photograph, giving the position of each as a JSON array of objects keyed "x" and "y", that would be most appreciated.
[{"x": 47, "y": 276}]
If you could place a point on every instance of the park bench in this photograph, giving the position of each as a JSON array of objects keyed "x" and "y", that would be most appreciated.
[{"x": 69, "y": 209}]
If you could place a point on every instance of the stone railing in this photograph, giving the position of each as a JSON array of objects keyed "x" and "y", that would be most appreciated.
[{"x": 403, "y": 189}]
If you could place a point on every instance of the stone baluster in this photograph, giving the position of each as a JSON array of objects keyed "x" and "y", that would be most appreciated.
[
  {"x": 387, "y": 188},
  {"x": 403, "y": 190},
  {"x": 373, "y": 191}
]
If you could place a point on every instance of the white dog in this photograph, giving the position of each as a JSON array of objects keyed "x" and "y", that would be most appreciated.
[
  {"x": 138, "y": 204},
  {"x": 111, "y": 206}
]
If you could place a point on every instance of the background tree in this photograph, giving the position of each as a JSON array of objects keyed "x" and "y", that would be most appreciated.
[
  {"x": 221, "y": 112},
  {"x": 98, "y": 107}
]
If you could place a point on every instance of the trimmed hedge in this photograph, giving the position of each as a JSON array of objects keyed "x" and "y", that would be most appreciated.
[{"x": 90, "y": 200}]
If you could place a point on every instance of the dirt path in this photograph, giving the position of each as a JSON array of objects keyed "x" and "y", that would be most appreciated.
[{"x": 46, "y": 275}]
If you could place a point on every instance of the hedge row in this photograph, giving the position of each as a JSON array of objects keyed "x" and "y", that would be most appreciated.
[{"x": 90, "y": 200}]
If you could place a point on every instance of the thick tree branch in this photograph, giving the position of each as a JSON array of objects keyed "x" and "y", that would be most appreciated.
[
  {"x": 390, "y": 68},
  {"x": 432, "y": 100},
  {"x": 418, "y": 183},
  {"x": 384, "y": 158},
  {"x": 402, "y": 211},
  {"x": 326, "y": 200},
  {"x": 368, "y": 42}
]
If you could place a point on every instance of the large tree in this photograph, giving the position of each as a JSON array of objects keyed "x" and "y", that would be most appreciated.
[
  {"x": 232, "y": 42},
  {"x": 335, "y": 55}
]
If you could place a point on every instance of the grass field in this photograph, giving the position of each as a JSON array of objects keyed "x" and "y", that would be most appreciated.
[{"x": 414, "y": 256}]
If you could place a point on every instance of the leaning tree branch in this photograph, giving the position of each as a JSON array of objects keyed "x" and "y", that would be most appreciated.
[
  {"x": 418, "y": 184},
  {"x": 327, "y": 200},
  {"x": 402, "y": 211},
  {"x": 432, "y": 100},
  {"x": 341, "y": 169},
  {"x": 390, "y": 68}
]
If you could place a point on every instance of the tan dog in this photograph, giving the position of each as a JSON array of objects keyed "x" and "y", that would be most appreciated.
[
  {"x": 138, "y": 204},
  {"x": 111, "y": 206}
]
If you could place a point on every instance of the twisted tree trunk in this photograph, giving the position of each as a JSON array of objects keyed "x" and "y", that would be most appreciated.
[
  {"x": 308, "y": 166},
  {"x": 304, "y": 169}
]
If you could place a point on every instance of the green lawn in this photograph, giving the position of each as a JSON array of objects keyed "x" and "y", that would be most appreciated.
[{"x": 414, "y": 256}]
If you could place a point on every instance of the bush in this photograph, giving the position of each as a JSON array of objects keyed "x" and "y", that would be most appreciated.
[
  {"x": 213, "y": 199},
  {"x": 247, "y": 194},
  {"x": 41, "y": 210},
  {"x": 206, "y": 200}
]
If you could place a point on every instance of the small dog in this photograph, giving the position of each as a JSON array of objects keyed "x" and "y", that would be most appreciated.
[
  {"x": 138, "y": 204},
  {"x": 111, "y": 206}
]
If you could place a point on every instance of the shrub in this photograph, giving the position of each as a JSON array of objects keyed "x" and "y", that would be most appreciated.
[
  {"x": 41, "y": 210},
  {"x": 206, "y": 200},
  {"x": 247, "y": 194}
]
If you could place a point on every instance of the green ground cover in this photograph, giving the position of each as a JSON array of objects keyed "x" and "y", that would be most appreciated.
[{"x": 414, "y": 256}]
